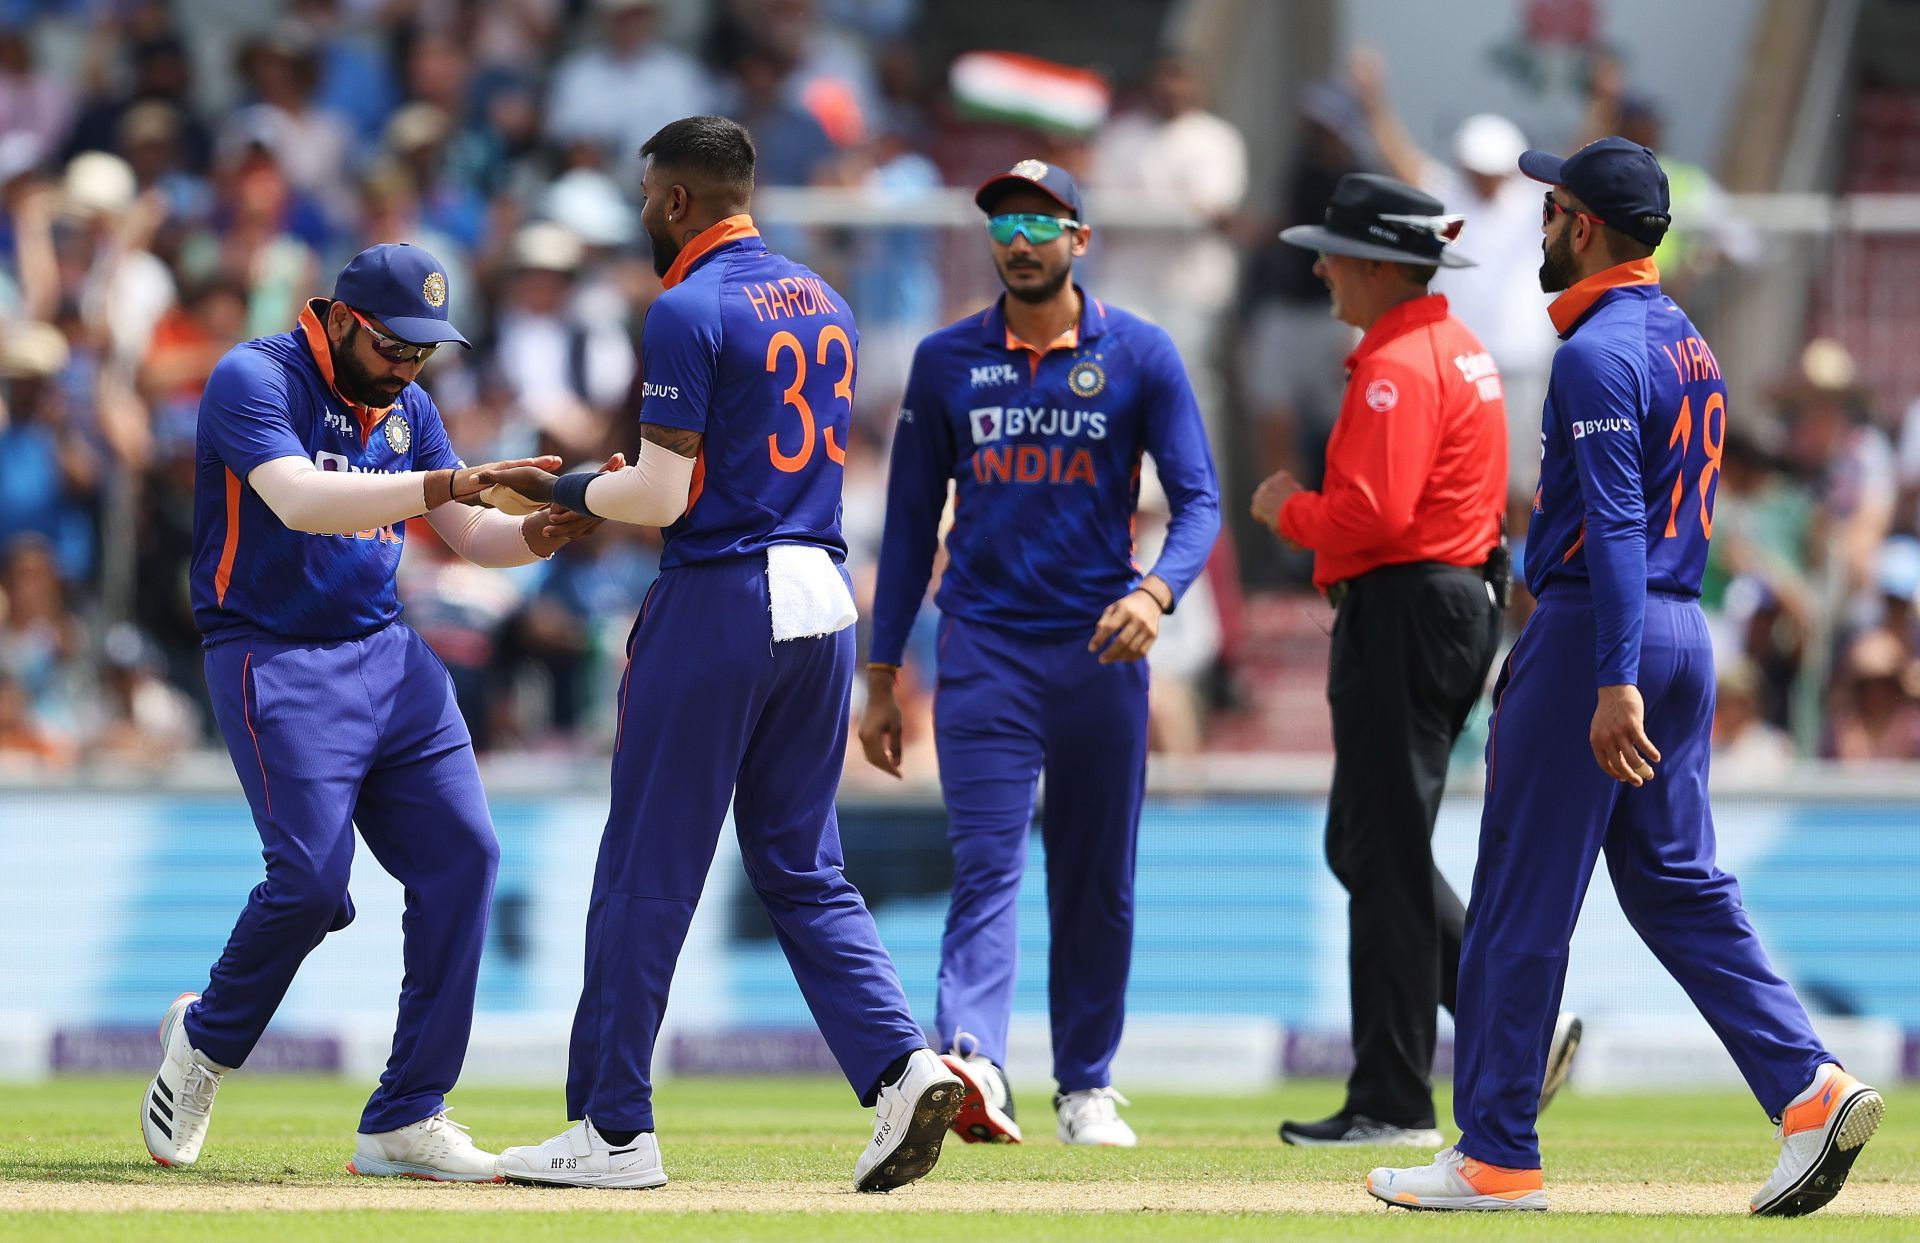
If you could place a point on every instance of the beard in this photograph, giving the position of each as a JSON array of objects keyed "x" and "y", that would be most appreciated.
[
  {"x": 356, "y": 383},
  {"x": 665, "y": 251},
  {"x": 1556, "y": 264},
  {"x": 1049, "y": 287}
]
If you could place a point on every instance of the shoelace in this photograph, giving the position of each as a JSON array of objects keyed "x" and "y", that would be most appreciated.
[
  {"x": 440, "y": 1122},
  {"x": 1100, "y": 1104},
  {"x": 961, "y": 1043},
  {"x": 197, "y": 1088}
]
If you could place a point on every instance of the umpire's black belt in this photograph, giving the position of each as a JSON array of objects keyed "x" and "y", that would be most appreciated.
[{"x": 1337, "y": 593}]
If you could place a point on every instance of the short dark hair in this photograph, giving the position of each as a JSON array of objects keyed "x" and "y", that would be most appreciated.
[
  {"x": 1622, "y": 246},
  {"x": 712, "y": 148},
  {"x": 1420, "y": 274}
]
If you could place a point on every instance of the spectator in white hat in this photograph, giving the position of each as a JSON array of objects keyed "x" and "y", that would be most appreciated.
[{"x": 1500, "y": 300}]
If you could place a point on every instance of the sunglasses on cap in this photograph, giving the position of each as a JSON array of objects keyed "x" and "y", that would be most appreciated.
[
  {"x": 1552, "y": 205},
  {"x": 393, "y": 349},
  {"x": 1036, "y": 227}
]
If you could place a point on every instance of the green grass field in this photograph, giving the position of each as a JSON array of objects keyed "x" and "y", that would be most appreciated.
[{"x": 772, "y": 1160}]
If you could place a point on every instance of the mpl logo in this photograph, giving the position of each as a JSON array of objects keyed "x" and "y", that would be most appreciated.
[
  {"x": 337, "y": 422},
  {"x": 987, "y": 423},
  {"x": 993, "y": 374}
]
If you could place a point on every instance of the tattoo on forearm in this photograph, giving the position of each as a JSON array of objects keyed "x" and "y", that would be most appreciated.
[{"x": 673, "y": 439}]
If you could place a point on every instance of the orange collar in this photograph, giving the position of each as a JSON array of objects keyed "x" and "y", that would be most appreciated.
[
  {"x": 1567, "y": 309},
  {"x": 322, "y": 351},
  {"x": 732, "y": 229},
  {"x": 1070, "y": 339},
  {"x": 1397, "y": 322}
]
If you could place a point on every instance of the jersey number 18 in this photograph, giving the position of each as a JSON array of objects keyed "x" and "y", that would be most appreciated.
[{"x": 1711, "y": 441}]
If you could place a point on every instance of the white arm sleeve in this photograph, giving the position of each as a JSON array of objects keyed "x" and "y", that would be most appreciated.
[
  {"x": 650, "y": 493},
  {"x": 328, "y": 502},
  {"x": 485, "y": 537}
]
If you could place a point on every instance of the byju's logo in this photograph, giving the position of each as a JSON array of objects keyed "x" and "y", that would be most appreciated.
[
  {"x": 1583, "y": 428},
  {"x": 987, "y": 424}
]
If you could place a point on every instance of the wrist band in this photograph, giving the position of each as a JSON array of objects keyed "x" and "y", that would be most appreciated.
[{"x": 571, "y": 491}]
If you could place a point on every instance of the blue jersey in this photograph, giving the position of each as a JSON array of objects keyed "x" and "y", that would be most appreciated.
[
  {"x": 756, "y": 353},
  {"x": 1043, "y": 448},
  {"x": 273, "y": 398},
  {"x": 1635, "y": 418}
]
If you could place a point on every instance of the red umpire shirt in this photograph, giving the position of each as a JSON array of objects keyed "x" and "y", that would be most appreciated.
[{"x": 1417, "y": 463}]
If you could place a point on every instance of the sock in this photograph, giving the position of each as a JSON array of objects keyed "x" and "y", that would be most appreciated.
[
  {"x": 895, "y": 1071},
  {"x": 620, "y": 1139}
]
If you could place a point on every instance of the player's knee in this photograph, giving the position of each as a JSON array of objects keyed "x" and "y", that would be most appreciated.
[{"x": 310, "y": 895}]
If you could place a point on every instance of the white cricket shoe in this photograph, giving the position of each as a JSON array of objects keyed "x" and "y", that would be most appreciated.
[
  {"x": 435, "y": 1148},
  {"x": 1457, "y": 1181},
  {"x": 910, "y": 1120},
  {"x": 1820, "y": 1134},
  {"x": 179, "y": 1102},
  {"x": 1088, "y": 1117},
  {"x": 986, "y": 1107},
  {"x": 1566, "y": 1039},
  {"x": 581, "y": 1157}
]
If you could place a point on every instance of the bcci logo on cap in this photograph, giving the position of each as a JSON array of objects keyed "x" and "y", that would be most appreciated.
[
  {"x": 1032, "y": 170},
  {"x": 434, "y": 290}
]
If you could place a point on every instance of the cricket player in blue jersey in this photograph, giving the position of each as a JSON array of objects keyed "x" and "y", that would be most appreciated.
[
  {"x": 1612, "y": 677},
  {"x": 739, "y": 671},
  {"x": 1036, "y": 412},
  {"x": 315, "y": 447}
]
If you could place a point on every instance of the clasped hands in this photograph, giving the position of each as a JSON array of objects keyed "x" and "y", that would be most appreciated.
[{"x": 523, "y": 487}]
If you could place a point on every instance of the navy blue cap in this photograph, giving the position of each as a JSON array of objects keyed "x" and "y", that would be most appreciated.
[
  {"x": 403, "y": 287},
  {"x": 1050, "y": 179},
  {"x": 1619, "y": 181}
]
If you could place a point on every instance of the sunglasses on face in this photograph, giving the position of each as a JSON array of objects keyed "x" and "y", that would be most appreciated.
[
  {"x": 393, "y": 349},
  {"x": 1037, "y": 228},
  {"x": 1552, "y": 205}
]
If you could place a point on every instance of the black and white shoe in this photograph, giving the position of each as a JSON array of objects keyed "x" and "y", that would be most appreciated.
[
  {"x": 179, "y": 1102},
  {"x": 1566, "y": 1038},
  {"x": 910, "y": 1121},
  {"x": 1357, "y": 1131}
]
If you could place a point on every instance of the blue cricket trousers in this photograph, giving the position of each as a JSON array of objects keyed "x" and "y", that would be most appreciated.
[
  {"x": 1009, "y": 706},
  {"x": 712, "y": 710},
  {"x": 1550, "y": 811},
  {"x": 325, "y": 736}
]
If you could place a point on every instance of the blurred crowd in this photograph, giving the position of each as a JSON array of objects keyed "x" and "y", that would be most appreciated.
[{"x": 153, "y": 214}]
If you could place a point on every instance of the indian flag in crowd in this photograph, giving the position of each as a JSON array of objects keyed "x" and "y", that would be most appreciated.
[{"x": 1007, "y": 86}]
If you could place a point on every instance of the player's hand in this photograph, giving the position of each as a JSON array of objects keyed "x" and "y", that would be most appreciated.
[
  {"x": 533, "y": 482},
  {"x": 466, "y": 485},
  {"x": 1619, "y": 736},
  {"x": 1271, "y": 496},
  {"x": 560, "y": 525},
  {"x": 1132, "y": 623},
  {"x": 880, "y": 724}
]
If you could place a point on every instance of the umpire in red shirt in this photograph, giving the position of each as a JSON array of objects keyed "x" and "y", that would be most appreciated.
[{"x": 1406, "y": 540}]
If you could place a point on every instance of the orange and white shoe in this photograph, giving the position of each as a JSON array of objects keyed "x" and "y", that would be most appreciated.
[
  {"x": 1457, "y": 1181},
  {"x": 1820, "y": 1134},
  {"x": 986, "y": 1110}
]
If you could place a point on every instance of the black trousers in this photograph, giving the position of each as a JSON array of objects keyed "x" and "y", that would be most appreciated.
[{"x": 1411, "y": 649}]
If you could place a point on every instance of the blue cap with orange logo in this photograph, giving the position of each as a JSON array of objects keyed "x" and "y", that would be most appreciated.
[
  {"x": 1620, "y": 181},
  {"x": 1050, "y": 179},
  {"x": 403, "y": 287}
]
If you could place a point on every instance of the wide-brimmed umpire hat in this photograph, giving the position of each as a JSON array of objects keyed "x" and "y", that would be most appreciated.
[{"x": 1375, "y": 217}]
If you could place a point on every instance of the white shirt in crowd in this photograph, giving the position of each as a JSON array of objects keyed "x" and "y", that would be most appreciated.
[{"x": 1195, "y": 163}]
